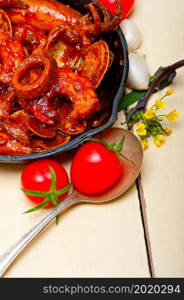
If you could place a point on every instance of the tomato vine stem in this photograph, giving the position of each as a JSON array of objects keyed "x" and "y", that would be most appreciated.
[{"x": 50, "y": 196}]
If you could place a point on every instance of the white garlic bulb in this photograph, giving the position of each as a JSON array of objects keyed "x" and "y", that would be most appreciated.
[
  {"x": 132, "y": 34},
  {"x": 138, "y": 77}
]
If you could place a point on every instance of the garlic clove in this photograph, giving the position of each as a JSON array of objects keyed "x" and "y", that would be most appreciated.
[
  {"x": 138, "y": 77},
  {"x": 132, "y": 34}
]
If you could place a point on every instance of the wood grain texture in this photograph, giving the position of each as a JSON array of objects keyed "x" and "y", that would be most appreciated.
[
  {"x": 108, "y": 240},
  {"x": 90, "y": 241},
  {"x": 162, "y": 23}
]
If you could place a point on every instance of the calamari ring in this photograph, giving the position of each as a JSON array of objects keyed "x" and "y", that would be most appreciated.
[
  {"x": 41, "y": 145},
  {"x": 42, "y": 85},
  {"x": 41, "y": 129},
  {"x": 5, "y": 23},
  {"x": 70, "y": 86}
]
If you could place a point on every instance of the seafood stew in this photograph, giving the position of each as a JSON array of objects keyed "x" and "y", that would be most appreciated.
[{"x": 58, "y": 72}]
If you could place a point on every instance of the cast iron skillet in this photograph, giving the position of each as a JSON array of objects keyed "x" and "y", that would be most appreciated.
[{"x": 111, "y": 88}]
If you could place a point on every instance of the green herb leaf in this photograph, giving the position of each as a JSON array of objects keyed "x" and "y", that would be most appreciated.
[
  {"x": 53, "y": 179},
  {"x": 121, "y": 144},
  {"x": 111, "y": 146},
  {"x": 35, "y": 193},
  {"x": 154, "y": 76},
  {"x": 97, "y": 140},
  {"x": 63, "y": 190},
  {"x": 162, "y": 78},
  {"x": 118, "y": 154},
  {"x": 168, "y": 80},
  {"x": 134, "y": 96},
  {"x": 54, "y": 199},
  {"x": 51, "y": 195},
  {"x": 41, "y": 205},
  {"x": 130, "y": 99},
  {"x": 127, "y": 159}
]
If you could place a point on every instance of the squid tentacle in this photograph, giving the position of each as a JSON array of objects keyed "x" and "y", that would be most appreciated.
[{"x": 110, "y": 23}]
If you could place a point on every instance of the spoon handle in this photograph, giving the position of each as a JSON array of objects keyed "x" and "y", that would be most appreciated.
[{"x": 10, "y": 255}]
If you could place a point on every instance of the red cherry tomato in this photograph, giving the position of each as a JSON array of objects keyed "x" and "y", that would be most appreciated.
[
  {"x": 127, "y": 6},
  {"x": 37, "y": 177},
  {"x": 95, "y": 168}
]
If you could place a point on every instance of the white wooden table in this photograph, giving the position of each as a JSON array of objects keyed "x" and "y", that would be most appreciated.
[{"x": 142, "y": 233}]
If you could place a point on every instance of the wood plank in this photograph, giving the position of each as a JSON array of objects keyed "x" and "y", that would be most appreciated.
[
  {"x": 162, "y": 176},
  {"x": 90, "y": 241}
]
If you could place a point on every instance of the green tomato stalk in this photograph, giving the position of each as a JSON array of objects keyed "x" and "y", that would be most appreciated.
[
  {"x": 114, "y": 147},
  {"x": 50, "y": 196}
]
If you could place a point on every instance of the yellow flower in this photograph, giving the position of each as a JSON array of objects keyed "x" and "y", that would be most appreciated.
[
  {"x": 159, "y": 140},
  {"x": 172, "y": 116},
  {"x": 141, "y": 129},
  {"x": 160, "y": 104},
  {"x": 169, "y": 92},
  {"x": 144, "y": 144},
  {"x": 149, "y": 114},
  {"x": 168, "y": 131}
]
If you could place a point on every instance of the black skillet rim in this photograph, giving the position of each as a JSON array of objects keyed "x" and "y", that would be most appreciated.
[{"x": 80, "y": 139}]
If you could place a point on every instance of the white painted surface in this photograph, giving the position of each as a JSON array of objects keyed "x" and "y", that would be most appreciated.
[
  {"x": 162, "y": 24},
  {"x": 108, "y": 240}
]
